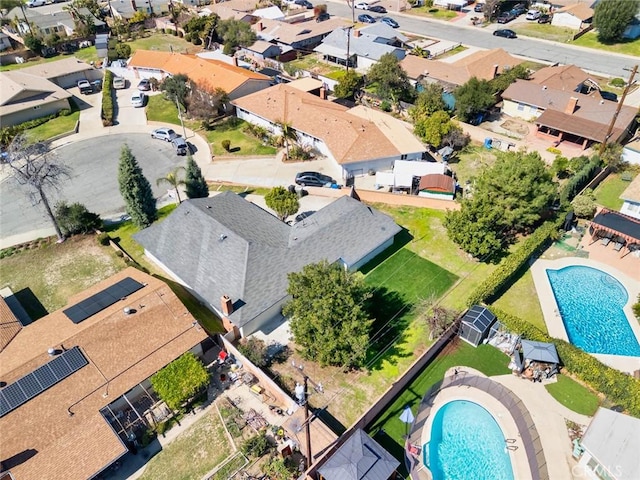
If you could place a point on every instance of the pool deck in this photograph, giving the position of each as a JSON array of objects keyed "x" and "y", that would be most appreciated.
[
  {"x": 627, "y": 263},
  {"x": 551, "y": 314}
]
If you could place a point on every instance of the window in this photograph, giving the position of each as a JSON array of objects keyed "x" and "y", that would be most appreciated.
[
  {"x": 521, "y": 107},
  {"x": 403, "y": 157},
  {"x": 533, "y": 109}
]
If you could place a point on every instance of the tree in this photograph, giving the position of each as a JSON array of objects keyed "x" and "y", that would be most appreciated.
[
  {"x": 33, "y": 43},
  {"x": 611, "y": 18},
  {"x": 473, "y": 97},
  {"x": 429, "y": 101},
  {"x": 349, "y": 84},
  {"x": 584, "y": 205},
  {"x": 174, "y": 181},
  {"x": 329, "y": 314},
  {"x": 432, "y": 128},
  {"x": 456, "y": 138},
  {"x": 75, "y": 218},
  {"x": 473, "y": 229},
  {"x": 194, "y": 182},
  {"x": 507, "y": 77},
  {"x": 35, "y": 167},
  {"x": 282, "y": 201},
  {"x": 389, "y": 80},
  {"x": 135, "y": 190},
  {"x": 491, "y": 8},
  {"x": 560, "y": 166},
  {"x": 205, "y": 101},
  {"x": 234, "y": 34},
  {"x": 612, "y": 157},
  {"x": 289, "y": 134},
  {"x": 255, "y": 350},
  {"x": 180, "y": 381},
  {"x": 123, "y": 50},
  {"x": 9, "y": 5},
  {"x": 176, "y": 88}
]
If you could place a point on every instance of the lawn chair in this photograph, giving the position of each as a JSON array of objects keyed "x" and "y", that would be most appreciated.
[
  {"x": 605, "y": 241},
  {"x": 618, "y": 245}
]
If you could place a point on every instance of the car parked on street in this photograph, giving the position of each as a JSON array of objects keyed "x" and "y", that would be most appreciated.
[
  {"x": 544, "y": 18},
  {"x": 304, "y": 3},
  {"x": 35, "y": 3},
  {"x": 362, "y": 6},
  {"x": 313, "y": 179},
  {"x": 389, "y": 21},
  {"x": 137, "y": 99},
  {"x": 119, "y": 83},
  {"x": 144, "y": 85},
  {"x": 85, "y": 87},
  {"x": 366, "y": 18},
  {"x": 533, "y": 15},
  {"x": 377, "y": 9},
  {"x": 519, "y": 9},
  {"x": 182, "y": 147},
  {"x": 505, "y": 32},
  {"x": 166, "y": 134}
]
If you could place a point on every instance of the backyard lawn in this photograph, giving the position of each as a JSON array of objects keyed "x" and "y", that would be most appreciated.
[
  {"x": 521, "y": 300},
  {"x": 312, "y": 63},
  {"x": 164, "y": 43},
  {"x": 573, "y": 395},
  {"x": 609, "y": 191},
  {"x": 468, "y": 164}
]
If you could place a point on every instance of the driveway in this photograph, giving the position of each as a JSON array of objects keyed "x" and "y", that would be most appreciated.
[{"x": 127, "y": 114}]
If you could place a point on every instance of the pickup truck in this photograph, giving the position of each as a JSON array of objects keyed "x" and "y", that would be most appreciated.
[{"x": 85, "y": 87}]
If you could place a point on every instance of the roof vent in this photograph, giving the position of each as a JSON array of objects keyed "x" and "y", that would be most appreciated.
[
  {"x": 51, "y": 352},
  {"x": 127, "y": 310},
  {"x": 222, "y": 237},
  {"x": 601, "y": 102},
  {"x": 544, "y": 87}
]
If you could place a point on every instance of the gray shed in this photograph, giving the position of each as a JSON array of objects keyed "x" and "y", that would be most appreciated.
[
  {"x": 476, "y": 325},
  {"x": 540, "y": 352}
]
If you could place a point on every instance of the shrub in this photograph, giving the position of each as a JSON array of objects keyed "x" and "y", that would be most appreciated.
[
  {"x": 255, "y": 350},
  {"x": 65, "y": 112},
  {"x": 617, "y": 82},
  {"x": 385, "y": 106},
  {"x": 107, "y": 99},
  {"x": 174, "y": 33},
  {"x": 196, "y": 40},
  {"x": 180, "y": 381},
  {"x": 580, "y": 179},
  {"x": 180, "y": 33},
  {"x": 584, "y": 205},
  {"x": 554, "y": 150},
  {"x": 226, "y": 144},
  {"x": 75, "y": 218},
  {"x": 299, "y": 153},
  {"x": 123, "y": 50},
  {"x": 256, "y": 446},
  {"x": 103, "y": 238}
]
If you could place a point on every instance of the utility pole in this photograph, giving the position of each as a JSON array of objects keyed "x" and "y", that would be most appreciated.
[
  {"x": 603, "y": 145},
  {"x": 348, "y": 44},
  {"x": 304, "y": 397},
  {"x": 184, "y": 132}
]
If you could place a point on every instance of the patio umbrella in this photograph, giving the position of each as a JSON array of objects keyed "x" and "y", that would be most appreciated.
[{"x": 407, "y": 417}]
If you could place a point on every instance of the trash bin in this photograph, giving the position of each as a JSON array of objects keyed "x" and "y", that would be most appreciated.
[{"x": 488, "y": 143}]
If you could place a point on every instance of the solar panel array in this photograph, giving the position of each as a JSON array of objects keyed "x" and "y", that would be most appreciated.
[
  {"x": 33, "y": 384},
  {"x": 101, "y": 300}
]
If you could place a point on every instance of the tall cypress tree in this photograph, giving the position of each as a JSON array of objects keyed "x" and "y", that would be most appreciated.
[
  {"x": 195, "y": 184},
  {"x": 135, "y": 190}
]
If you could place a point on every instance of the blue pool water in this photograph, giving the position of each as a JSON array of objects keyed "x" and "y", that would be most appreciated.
[
  {"x": 590, "y": 303},
  {"x": 467, "y": 443}
]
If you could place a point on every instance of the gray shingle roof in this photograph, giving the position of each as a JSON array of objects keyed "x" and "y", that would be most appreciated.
[
  {"x": 360, "y": 457},
  {"x": 335, "y": 44},
  {"x": 225, "y": 245}
]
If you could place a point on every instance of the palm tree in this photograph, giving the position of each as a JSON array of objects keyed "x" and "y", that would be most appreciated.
[
  {"x": 172, "y": 178},
  {"x": 288, "y": 133},
  {"x": 9, "y": 5}
]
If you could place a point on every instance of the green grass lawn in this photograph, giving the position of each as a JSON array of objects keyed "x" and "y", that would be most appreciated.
[
  {"x": 159, "y": 109},
  {"x": 485, "y": 358},
  {"x": 313, "y": 63},
  {"x": 451, "y": 53},
  {"x": 471, "y": 161},
  {"x": 194, "y": 453},
  {"x": 590, "y": 40},
  {"x": 544, "y": 30},
  {"x": 89, "y": 54},
  {"x": 30, "y": 63},
  {"x": 573, "y": 395},
  {"x": 609, "y": 191},
  {"x": 433, "y": 12},
  {"x": 163, "y": 43},
  {"x": 521, "y": 300},
  {"x": 54, "y": 127}
]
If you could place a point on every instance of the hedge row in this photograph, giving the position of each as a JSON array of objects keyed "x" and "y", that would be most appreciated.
[
  {"x": 619, "y": 387},
  {"x": 580, "y": 179},
  {"x": 107, "y": 99},
  {"x": 492, "y": 285},
  {"x": 7, "y": 134}
]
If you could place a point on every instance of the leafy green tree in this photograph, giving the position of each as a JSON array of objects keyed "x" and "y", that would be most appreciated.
[
  {"x": 180, "y": 381},
  {"x": 432, "y": 128},
  {"x": 234, "y": 34},
  {"x": 456, "y": 138},
  {"x": 75, "y": 218},
  {"x": 282, "y": 201},
  {"x": 611, "y": 18},
  {"x": 389, "y": 80},
  {"x": 584, "y": 205},
  {"x": 33, "y": 43},
  {"x": 506, "y": 78},
  {"x": 473, "y": 229},
  {"x": 176, "y": 88},
  {"x": 348, "y": 85},
  {"x": 578, "y": 163},
  {"x": 560, "y": 166},
  {"x": 612, "y": 157},
  {"x": 472, "y": 98},
  {"x": 174, "y": 181},
  {"x": 329, "y": 314},
  {"x": 135, "y": 190},
  {"x": 429, "y": 101},
  {"x": 123, "y": 50},
  {"x": 194, "y": 182}
]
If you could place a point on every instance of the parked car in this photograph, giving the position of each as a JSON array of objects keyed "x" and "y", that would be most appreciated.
[
  {"x": 144, "y": 85},
  {"x": 304, "y": 3},
  {"x": 533, "y": 15},
  {"x": 389, "y": 21},
  {"x": 505, "y": 32},
  {"x": 366, "y": 18},
  {"x": 505, "y": 17},
  {"x": 519, "y": 9},
  {"x": 377, "y": 9},
  {"x": 119, "y": 83},
  {"x": 362, "y": 6},
  {"x": 322, "y": 17},
  {"x": 182, "y": 148},
  {"x": 166, "y": 134},
  {"x": 544, "y": 18},
  {"x": 35, "y": 3},
  {"x": 85, "y": 87},
  {"x": 313, "y": 179},
  {"x": 137, "y": 99},
  {"x": 478, "y": 8}
]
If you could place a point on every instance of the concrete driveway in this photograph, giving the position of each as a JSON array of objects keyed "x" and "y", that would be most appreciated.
[{"x": 127, "y": 114}]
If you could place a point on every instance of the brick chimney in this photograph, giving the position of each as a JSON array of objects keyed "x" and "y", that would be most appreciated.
[
  {"x": 356, "y": 33},
  {"x": 259, "y": 26},
  {"x": 323, "y": 93},
  {"x": 235, "y": 61},
  {"x": 495, "y": 71},
  {"x": 571, "y": 106},
  {"x": 227, "y": 305}
]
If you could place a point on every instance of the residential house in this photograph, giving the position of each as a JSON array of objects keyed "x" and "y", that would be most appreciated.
[
  {"x": 631, "y": 151},
  {"x": 576, "y": 16},
  {"x": 611, "y": 445},
  {"x": 235, "y": 257},
  {"x": 565, "y": 115},
  {"x": 126, "y": 9},
  {"x": 451, "y": 4},
  {"x": 77, "y": 389},
  {"x": 261, "y": 50},
  {"x": 633, "y": 29},
  {"x": 271, "y": 13},
  {"x": 357, "y": 139},
  {"x": 437, "y": 186},
  {"x": 483, "y": 64},
  {"x": 359, "y": 457},
  {"x": 211, "y": 74},
  {"x": 299, "y": 36},
  {"x": 361, "y": 48},
  {"x": 236, "y": 9},
  {"x": 64, "y": 73},
  {"x": 631, "y": 199},
  {"x": 5, "y": 42},
  {"x": 60, "y": 22},
  {"x": 567, "y": 78}
]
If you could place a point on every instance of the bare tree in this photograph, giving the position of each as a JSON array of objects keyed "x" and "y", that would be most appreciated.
[{"x": 36, "y": 168}]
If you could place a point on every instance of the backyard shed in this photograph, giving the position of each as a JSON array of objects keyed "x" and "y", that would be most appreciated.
[
  {"x": 476, "y": 325},
  {"x": 539, "y": 352}
]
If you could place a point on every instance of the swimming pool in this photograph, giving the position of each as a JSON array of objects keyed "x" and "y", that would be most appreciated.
[
  {"x": 591, "y": 303},
  {"x": 466, "y": 442}
]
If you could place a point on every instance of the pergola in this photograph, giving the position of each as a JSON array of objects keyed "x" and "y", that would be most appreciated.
[{"x": 618, "y": 225}]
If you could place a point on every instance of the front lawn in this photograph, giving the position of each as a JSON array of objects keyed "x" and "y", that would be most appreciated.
[
  {"x": 433, "y": 12},
  {"x": 573, "y": 395},
  {"x": 54, "y": 127},
  {"x": 159, "y": 109},
  {"x": 89, "y": 54},
  {"x": 30, "y": 63},
  {"x": 590, "y": 40},
  {"x": 545, "y": 31},
  {"x": 609, "y": 191}
]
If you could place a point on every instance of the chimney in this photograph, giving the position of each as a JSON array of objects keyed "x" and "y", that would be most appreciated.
[
  {"x": 495, "y": 71},
  {"x": 235, "y": 61},
  {"x": 356, "y": 33},
  {"x": 134, "y": 6},
  {"x": 571, "y": 106},
  {"x": 323, "y": 93},
  {"x": 259, "y": 26},
  {"x": 227, "y": 305}
]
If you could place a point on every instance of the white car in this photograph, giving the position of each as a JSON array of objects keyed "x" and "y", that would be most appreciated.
[
  {"x": 35, "y": 3},
  {"x": 166, "y": 134},
  {"x": 533, "y": 15},
  {"x": 137, "y": 99},
  {"x": 362, "y": 6}
]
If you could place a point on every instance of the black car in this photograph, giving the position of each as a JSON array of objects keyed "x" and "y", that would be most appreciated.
[
  {"x": 304, "y": 3},
  {"x": 544, "y": 18},
  {"x": 322, "y": 17},
  {"x": 505, "y": 32},
  {"x": 313, "y": 179},
  {"x": 377, "y": 9},
  {"x": 366, "y": 18},
  {"x": 506, "y": 17}
]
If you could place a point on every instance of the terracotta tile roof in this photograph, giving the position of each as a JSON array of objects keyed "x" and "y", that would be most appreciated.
[
  {"x": 213, "y": 73},
  {"x": 632, "y": 192},
  {"x": 579, "y": 10},
  {"x": 437, "y": 182},
  {"x": 9, "y": 324},
  {"x": 350, "y": 136},
  {"x": 123, "y": 349},
  {"x": 560, "y": 77}
]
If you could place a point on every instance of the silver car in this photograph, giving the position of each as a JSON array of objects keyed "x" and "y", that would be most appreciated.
[{"x": 166, "y": 134}]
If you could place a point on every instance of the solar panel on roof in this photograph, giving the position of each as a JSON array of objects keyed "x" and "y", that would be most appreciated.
[
  {"x": 101, "y": 300},
  {"x": 36, "y": 382}
]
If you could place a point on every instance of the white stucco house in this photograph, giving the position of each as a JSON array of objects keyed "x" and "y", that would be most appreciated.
[
  {"x": 631, "y": 199},
  {"x": 574, "y": 16},
  {"x": 631, "y": 152}
]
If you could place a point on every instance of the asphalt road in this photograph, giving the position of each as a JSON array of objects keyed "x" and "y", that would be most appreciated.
[
  {"x": 93, "y": 182},
  {"x": 588, "y": 59}
]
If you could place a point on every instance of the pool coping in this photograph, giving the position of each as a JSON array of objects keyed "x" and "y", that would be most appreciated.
[{"x": 550, "y": 310}]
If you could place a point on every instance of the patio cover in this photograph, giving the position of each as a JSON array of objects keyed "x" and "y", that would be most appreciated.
[
  {"x": 540, "y": 351},
  {"x": 618, "y": 224}
]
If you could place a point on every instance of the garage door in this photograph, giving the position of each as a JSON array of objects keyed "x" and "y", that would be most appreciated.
[{"x": 70, "y": 80}]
